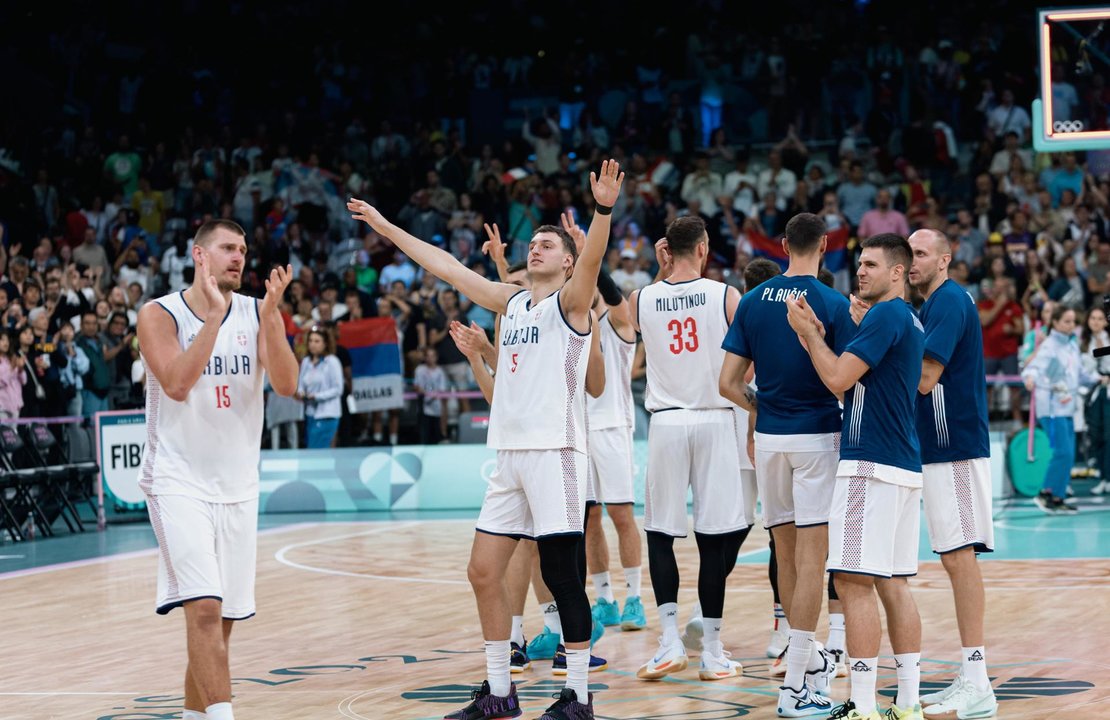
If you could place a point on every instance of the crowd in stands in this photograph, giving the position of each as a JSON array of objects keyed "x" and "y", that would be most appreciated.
[{"x": 877, "y": 122}]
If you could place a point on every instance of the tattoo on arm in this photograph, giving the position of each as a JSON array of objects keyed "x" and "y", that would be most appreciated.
[{"x": 749, "y": 395}]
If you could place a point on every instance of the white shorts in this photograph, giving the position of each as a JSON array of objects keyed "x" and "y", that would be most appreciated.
[
  {"x": 751, "y": 492},
  {"x": 796, "y": 486},
  {"x": 611, "y": 466},
  {"x": 533, "y": 493},
  {"x": 874, "y": 527},
  {"x": 205, "y": 550},
  {"x": 695, "y": 449},
  {"x": 958, "y": 505}
]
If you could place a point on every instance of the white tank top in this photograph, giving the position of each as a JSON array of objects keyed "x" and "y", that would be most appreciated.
[
  {"x": 208, "y": 445},
  {"x": 539, "y": 392},
  {"x": 683, "y": 325},
  {"x": 614, "y": 407}
]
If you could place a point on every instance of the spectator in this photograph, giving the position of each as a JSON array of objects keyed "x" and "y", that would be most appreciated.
[
  {"x": 97, "y": 380},
  {"x": 320, "y": 388},
  {"x": 1002, "y": 161},
  {"x": 545, "y": 140},
  {"x": 883, "y": 219},
  {"x": 72, "y": 374},
  {"x": 430, "y": 379},
  {"x": 400, "y": 270},
  {"x": 776, "y": 178},
  {"x": 34, "y": 391},
  {"x": 856, "y": 196},
  {"x": 1069, "y": 288},
  {"x": 629, "y": 276},
  {"x": 122, "y": 167},
  {"x": 454, "y": 364},
  {"x": 1008, "y": 117},
  {"x": 117, "y": 352},
  {"x": 13, "y": 375},
  {"x": 1003, "y": 325},
  {"x": 150, "y": 206}
]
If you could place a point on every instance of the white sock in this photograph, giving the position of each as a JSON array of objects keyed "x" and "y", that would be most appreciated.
[
  {"x": 550, "y": 612},
  {"x": 603, "y": 586},
  {"x": 696, "y": 613},
  {"x": 798, "y": 653},
  {"x": 632, "y": 581},
  {"x": 975, "y": 667},
  {"x": 377, "y": 437},
  {"x": 668, "y": 620},
  {"x": 578, "y": 673},
  {"x": 711, "y": 635},
  {"x": 219, "y": 711},
  {"x": 836, "y": 632},
  {"x": 864, "y": 672},
  {"x": 518, "y": 630},
  {"x": 193, "y": 715},
  {"x": 909, "y": 679},
  {"x": 393, "y": 441},
  {"x": 780, "y": 618},
  {"x": 497, "y": 667}
]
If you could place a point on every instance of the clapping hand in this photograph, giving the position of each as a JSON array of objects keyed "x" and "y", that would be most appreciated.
[{"x": 279, "y": 280}]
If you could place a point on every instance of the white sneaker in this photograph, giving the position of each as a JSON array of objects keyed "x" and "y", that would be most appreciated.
[
  {"x": 940, "y": 695},
  {"x": 691, "y": 636},
  {"x": 801, "y": 703},
  {"x": 1101, "y": 487},
  {"x": 668, "y": 659},
  {"x": 967, "y": 701},
  {"x": 716, "y": 665},
  {"x": 821, "y": 679},
  {"x": 777, "y": 644}
]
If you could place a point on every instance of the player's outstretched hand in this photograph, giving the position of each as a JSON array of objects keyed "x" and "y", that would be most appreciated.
[
  {"x": 493, "y": 247},
  {"x": 576, "y": 232},
  {"x": 364, "y": 211},
  {"x": 607, "y": 184}
]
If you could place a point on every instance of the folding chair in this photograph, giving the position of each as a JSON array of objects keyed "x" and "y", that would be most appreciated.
[
  {"x": 47, "y": 452},
  {"x": 30, "y": 480},
  {"x": 80, "y": 454}
]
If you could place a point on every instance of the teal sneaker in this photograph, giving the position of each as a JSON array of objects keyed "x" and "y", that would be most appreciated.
[
  {"x": 543, "y": 646},
  {"x": 633, "y": 616},
  {"x": 596, "y": 633},
  {"x": 607, "y": 613}
]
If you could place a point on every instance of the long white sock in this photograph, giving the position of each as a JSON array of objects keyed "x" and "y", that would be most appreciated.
[
  {"x": 193, "y": 715},
  {"x": 909, "y": 679},
  {"x": 518, "y": 630},
  {"x": 668, "y": 620},
  {"x": 497, "y": 667},
  {"x": 550, "y": 612},
  {"x": 219, "y": 711},
  {"x": 864, "y": 674},
  {"x": 974, "y": 667},
  {"x": 711, "y": 635},
  {"x": 836, "y": 632},
  {"x": 603, "y": 586},
  {"x": 780, "y": 619},
  {"x": 797, "y": 658},
  {"x": 632, "y": 581},
  {"x": 578, "y": 673}
]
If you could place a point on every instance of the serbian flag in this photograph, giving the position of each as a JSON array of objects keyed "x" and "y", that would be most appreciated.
[
  {"x": 377, "y": 382},
  {"x": 836, "y": 249},
  {"x": 770, "y": 248}
]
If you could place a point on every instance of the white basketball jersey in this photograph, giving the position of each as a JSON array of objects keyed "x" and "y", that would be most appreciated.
[
  {"x": 539, "y": 392},
  {"x": 614, "y": 407},
  {"x": 683, "y": 325},
  {"x": 208, "y": 445}
]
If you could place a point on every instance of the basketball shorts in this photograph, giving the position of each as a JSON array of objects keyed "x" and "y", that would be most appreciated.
[
  {"x": 874, "y": 524},
  {"x": 958, "y": 505},
  {"x": 694, "y": 450},
  {"x": 611, "y": 466},
  {"x": 796, "y": 476},
  {"x": 205, "y": 550},
  {"x": 533, "y": 493},
  {"x": 751, "y": 492}
]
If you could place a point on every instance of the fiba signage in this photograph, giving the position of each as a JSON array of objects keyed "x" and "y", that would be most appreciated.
[{"x": 121, "y": 439}]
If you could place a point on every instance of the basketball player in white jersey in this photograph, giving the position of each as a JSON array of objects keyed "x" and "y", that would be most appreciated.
[
  {"x": 206, "y": 350},
  {"x": 538, "y": 426},
  {"x": 692, "y": 442}
]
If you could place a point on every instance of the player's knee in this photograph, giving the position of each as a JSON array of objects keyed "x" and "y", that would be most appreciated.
[
  {"x": 481, "y": 574},
  {"x": 622, "y": 518},
  {"x": 958, "y": 560},
  {"x": 205, "y": 614},
  {"x": 850, "y": 584}
]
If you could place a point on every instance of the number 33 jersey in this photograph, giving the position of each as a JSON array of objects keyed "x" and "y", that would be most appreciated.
[
  {"x": 539, "y": 391},
  {"x": 683, "y": 325},
  {"x": 207, "y": 446}
]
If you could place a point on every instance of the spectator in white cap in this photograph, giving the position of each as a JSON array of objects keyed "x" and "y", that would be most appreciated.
[{"x": 630, "y": 276}]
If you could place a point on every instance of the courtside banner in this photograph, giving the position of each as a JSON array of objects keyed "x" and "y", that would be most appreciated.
[{"x": 377, "y": 382}]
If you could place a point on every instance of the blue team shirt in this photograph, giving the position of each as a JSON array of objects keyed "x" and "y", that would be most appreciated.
[
  {"x": 792, "y": 398},
  {"x": 880, "y": 409},
  {"x": 952, "y": 419}
]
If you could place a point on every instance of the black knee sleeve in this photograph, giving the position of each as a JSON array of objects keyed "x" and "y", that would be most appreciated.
[
  {"x": 582, "y": 544},
  {"x": 832, "y": 588},
  {"x": 773, "y": 573},
  {"x": 559, "y": 566},
  {"x": 717, "y": 554},
  {"x": 662, "y": 567}
]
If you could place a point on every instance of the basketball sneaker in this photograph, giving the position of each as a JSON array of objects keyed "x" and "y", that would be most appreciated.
[
  {"x": 543, "y": 646},
  {"x": 802, "y": 703},
  {"x": 633, "y": 617},
  {"x": 779, "y": 639},
  {"x": 848, "y": 711},
  {"x": 896, "y": 713},
  {"x": 966, "y": 701},
  {"x": 940, "y": 695},
  {"x": 821, "y": 679},
  {"x": 596, "y": 632},
  {"x": 567, "y": 707},
  {"x": 559, "y": 664},
  {"x": 667, "y": 659},
  {"x": 1046, "y": 502},
  {"x": 716, "y": 665},
  {"x": 607, "y": 613},
  {"x": 487, "y": 706},
  {"x": 518, "y": 659}
]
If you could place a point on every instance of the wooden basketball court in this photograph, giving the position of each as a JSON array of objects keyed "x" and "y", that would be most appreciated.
[{"x": 375, "y": 620}]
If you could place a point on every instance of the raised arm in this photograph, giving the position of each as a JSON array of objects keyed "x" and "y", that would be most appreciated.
[
  {"x": 578, "y": 294},
  {"x": 619, "y": 313},
  {"x": 273, "y": 349},
  {"x": 491, "y": 295}
]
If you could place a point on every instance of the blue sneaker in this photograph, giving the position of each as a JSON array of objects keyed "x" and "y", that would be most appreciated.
[
  {"x": 607, "y": 613},
  {"x": 559, "y": 664},
  {"x": 596, "y": 633},
  {"x": 543, "y": 646},
  {"x": 518, "y": 659},
  {"x": 633, "y": 616}
]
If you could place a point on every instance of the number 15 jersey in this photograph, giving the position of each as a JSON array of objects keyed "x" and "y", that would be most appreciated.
[{"x": 683, "y": 325}]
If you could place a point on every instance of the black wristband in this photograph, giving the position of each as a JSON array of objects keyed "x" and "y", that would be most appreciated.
[
  {"x": 610, "y": 293},
  {"x": 603, "y": 209}
]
